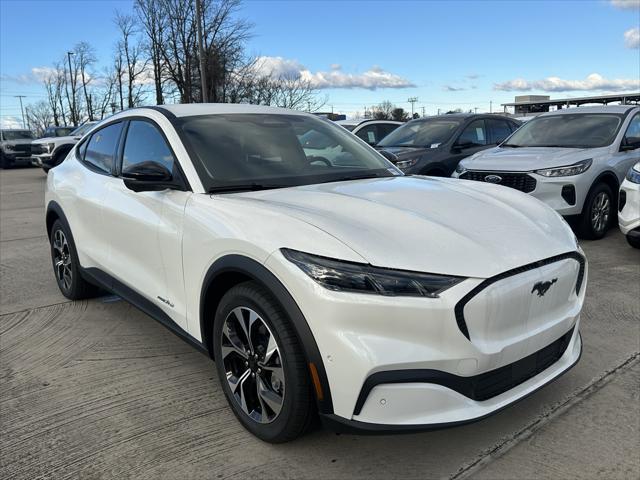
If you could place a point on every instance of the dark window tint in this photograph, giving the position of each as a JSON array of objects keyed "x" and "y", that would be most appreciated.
[
  {"x": 145, "y": 143},
  {"x": 385, "y": 129},
  {"x": 102, "y": 147},
  {"x": 500, "y": 130},
  {"x": 474, "y": 133},
  {"x": 369, "y": 134},
  {"x": 633, "y": 131}
]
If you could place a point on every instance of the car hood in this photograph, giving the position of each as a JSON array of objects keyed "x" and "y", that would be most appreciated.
[
  {"x": 24, "y": 141},
  {"x": 427, "y": 224},
  {"x": 526, "y": 159},
  {"x": 405, "y": 153},
  {"x": 65, "y": 139}
]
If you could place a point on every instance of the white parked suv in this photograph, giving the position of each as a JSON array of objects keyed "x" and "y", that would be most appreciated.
[
  {"x": 49, "y": 152},
  {"x": 574, "y": 160},
  {"x": 318, "y": 287},
  {"x": 369, "y": 130},
  {"x": 629, "y": 206}
]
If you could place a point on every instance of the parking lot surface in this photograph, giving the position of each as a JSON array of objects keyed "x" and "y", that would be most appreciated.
[{"x": 97, "y": 389}]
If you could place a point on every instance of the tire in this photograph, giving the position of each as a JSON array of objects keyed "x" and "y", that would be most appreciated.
[
  {"x": 46, "y": 169},
  {"x": 4, "y": 163},
  {"x": 633, "y": 241},
  {"x": 597, "y": 213},
  {"x": 66, "y": 266},
  {"x": 285, "y": 408}
]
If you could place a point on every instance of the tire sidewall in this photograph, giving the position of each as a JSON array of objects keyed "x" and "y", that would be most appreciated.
[
  {"x": 270, "y": 431},
  {"x": 587, "y": 229},
  {"x": 75, "y": 270}
]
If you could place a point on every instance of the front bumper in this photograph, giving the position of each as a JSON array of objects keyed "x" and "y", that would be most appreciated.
[
  {"x": 629, "y": 216},
  {"x": 17, "y": 157},
  {"x": 43, "y": 160},
  {"x": 360, "y": 336}
]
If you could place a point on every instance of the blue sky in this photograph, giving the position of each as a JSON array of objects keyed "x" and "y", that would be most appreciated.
[{"x": 447, "y": 53}]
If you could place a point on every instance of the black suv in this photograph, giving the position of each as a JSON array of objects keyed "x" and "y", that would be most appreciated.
[{"x": 435, "y": 145}]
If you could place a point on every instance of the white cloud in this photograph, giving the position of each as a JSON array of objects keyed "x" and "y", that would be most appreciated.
[
  {"x": 10, "y": 122},
  {"x": 36, "y": 75},
  {"x": 372, "y": 79},
  {"x": 452, "y": 88},
  {"x": 593, "y": 82},
  {"x": 626, "y": 4},
  {"x": 632, "y": 38}
]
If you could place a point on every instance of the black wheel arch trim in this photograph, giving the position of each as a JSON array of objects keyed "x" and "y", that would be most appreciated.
[
  {"x": 459, "y": 308},
  {"x": 258, "y": 272},
  {"x": 349, "y": 426}
]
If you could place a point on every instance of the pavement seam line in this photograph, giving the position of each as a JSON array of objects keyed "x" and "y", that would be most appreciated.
[
  {"x": 511, "y": 441},
  {"x": 33, "y": 309}
]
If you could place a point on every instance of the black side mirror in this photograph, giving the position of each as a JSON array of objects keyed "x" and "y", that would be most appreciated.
[
  {"x": 147, "y": 176},
  {"x": 629, "y": 143}
]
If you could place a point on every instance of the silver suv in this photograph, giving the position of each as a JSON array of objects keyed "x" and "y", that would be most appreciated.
[
  {"x": 15, "y": 147},
  {"x": 574, "y": 160}
]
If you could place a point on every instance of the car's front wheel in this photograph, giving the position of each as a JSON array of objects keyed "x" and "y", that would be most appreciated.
[
  {"x": 597, "y": 212},
  {"x": 66, "y": 266},
  {"x": 261, "y": 364},
  {"x": 633, "y": 241}
]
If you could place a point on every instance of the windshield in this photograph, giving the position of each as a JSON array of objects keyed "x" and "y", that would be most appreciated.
[
  {"x": 82, "y": 129},
  {"x": 348, "y": 126},
  {"x": 423, "y": 133},
  {"x": 273, "y": 150},
  {"x": 17, "y": 135},
  {"x": 579, "y": 130}
]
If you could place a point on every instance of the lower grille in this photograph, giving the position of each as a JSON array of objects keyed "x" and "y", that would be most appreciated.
[
  {"x": 22, "y": 148},
  {"x": 479, "y": 387},
  {"x": 519, "y": 181}
]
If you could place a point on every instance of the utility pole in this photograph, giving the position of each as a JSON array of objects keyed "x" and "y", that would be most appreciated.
[
  {"x": 476, "y": 109},
  {"x": 203, "y": 76},
  {"x": 412, "y": 101},
  {"x": 74, "y": 114},
  {"x": 423, "y": 112},
  {"x": 20, "y": 97}
]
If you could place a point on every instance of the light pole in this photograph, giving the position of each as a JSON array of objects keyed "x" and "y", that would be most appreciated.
[
  {"x": 20, "y": 97},
  {"x": 73, "y": 91},
  {"x": 412, "y": 101}
]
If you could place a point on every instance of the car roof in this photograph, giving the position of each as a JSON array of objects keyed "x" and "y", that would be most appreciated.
[
  {"x": 598, "y": 109},
  {"x": 191, "y": 109},
  {"x": 359, "y": 121}
]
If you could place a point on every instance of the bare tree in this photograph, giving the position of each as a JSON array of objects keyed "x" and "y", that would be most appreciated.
[
  {"x": 85, "y": 59},
  {"x": 130, "y": 57},
  {"x": 154, "y": 23},
  {"x": 383, "y": 111},
  {"x": 39, "y": 116}
]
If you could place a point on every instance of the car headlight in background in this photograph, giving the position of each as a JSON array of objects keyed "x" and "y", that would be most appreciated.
[
  {"x": 633, "y": 175},
  {"x": 404, "y": 164},
  {"x": 345, "y": 276},
  {"x": 8, "y": 147},
  {"x": 49, "y": 147},
  {"x": 575, "y": 169},
  {"x": 460, "y": 168}
]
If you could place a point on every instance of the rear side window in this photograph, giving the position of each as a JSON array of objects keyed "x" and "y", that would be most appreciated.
[
  {"x": 101, "y": 148},
  {"x": 369, "y": 134},
  {"x": 500, "y": 130},
  {"x": 385, "y": 129},
  {"x": 474, "y": 134},
  {"x": 145, "y": 143}
]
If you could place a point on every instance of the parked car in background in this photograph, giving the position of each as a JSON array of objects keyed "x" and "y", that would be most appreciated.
[
  {"x": 383, "y": 302},
  {"x": 629, "y": 206},
  {"x": 58, "y": 131},
  {"x": 574, "y": 160},
  {"x": 51, "y": 151},
  {"x": 371, "y": 131},
  {"x": 435, "y": 145},
  {"x": 15, "y": 147}
]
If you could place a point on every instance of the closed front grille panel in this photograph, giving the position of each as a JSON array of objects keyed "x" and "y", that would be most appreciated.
[
  {"x": 520, "y": 181},
  {"x": 22, "y": 148}
]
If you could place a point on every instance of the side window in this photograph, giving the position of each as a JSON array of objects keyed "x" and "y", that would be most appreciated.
[
  {"x": 101, "y": 147},
  {"x": 145, "y": 143},
  {"x": 385, "y": 129},
  {"x": 369, "y": 134},
  {"x": 474, "y": 134},
  {"x": 632, "y": 134},
  {"x": 499, "y": 130}
]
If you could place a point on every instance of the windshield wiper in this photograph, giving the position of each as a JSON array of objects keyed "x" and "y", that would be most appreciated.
[
  {"x": 245, "y": 187},
  {"x": 346, "y": 178},
  {"x": 510, "y": 145}
]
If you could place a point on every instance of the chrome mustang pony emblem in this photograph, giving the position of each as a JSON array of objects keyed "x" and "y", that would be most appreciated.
[{"x": 543, "y": 287}]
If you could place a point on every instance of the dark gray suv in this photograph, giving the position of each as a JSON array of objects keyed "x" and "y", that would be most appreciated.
[{"x": 435, "y": 145}]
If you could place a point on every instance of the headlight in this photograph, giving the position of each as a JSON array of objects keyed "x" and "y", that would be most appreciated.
[
  {"x": 575, "y": 169},
  {"x": 8, "y": 146},
  {"x": 49, "y": 147},
  {"x": 345, "y": 276},
  {"x": 634, "y": 175},
  {"x": 404, "y": 164},
  {"x": 460, "y": 168}
]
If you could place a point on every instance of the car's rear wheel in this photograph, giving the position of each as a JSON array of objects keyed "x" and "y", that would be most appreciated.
[
  {"x": 261, "y": 364},
  {"x": 633, "y": 241},
  {"x": 597, "y": 212},
  {"x": 4, "y": 162},
  {"x": 66, "y": 266}
]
